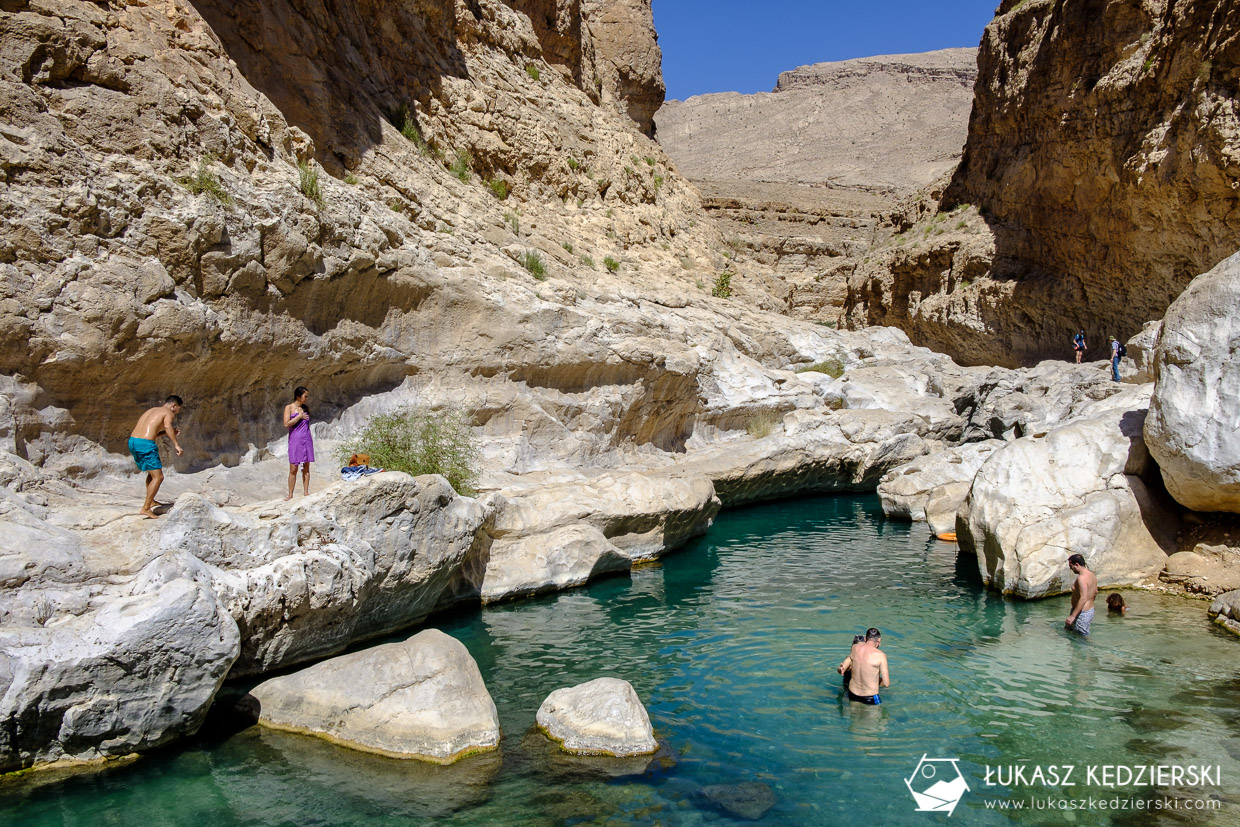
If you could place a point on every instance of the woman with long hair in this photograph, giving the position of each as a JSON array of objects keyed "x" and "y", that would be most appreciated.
[{"x": 300, "y": 443}]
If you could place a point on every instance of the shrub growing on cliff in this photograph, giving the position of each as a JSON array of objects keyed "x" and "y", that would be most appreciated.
[
  {"x": 761, "y": 424},
  {"x": 499, "y": 188},
  {"x": 831, "y": 367},
  {"x": 419, "y": 440},
  {"x": 463, "y": 165},
  {"x": 308, "y": 181},
  {"x": 533, "y": 262},
  {"x": 532, "y": 71},
  {"x": 204, "y": 181},
  {"x": 723, "y": 285},
  {"x": 611, "y": 264}
]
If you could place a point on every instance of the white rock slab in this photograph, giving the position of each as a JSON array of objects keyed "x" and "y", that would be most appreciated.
[
  {"x": 423, "y": 698},
  {"x": 601, "y": 717}
]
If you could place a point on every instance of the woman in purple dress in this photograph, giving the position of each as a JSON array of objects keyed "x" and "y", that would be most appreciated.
[{"x": 300, "y": 444}]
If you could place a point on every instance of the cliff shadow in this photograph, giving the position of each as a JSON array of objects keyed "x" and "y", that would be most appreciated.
[{"x": 337, "y": 69}]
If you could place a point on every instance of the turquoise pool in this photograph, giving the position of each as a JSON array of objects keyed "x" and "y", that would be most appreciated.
[{"x": 732, "y": 644}]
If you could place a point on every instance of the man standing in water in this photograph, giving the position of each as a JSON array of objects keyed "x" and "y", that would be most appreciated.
[
  {"x": 145, "y": 451},
  {"x": 869, "y": 669},
  {"x": 1084, "y": 590}
]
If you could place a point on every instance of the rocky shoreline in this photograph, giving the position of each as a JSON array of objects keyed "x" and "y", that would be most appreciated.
[{"x": 119, "y": 632}]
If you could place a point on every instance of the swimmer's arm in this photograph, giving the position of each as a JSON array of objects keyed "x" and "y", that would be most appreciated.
[
  {"x": 884, "y": 678},
  {"x": 171, "y": 433},
  {"x": 845, "y": 665}
]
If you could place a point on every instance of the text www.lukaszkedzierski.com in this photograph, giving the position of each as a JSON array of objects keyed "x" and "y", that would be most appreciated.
[{"x": 1116, "y": 803}]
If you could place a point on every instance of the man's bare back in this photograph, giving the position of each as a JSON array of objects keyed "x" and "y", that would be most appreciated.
[
  {"x": 157, "y": 421},
  {"x": 869, "y": 669}
]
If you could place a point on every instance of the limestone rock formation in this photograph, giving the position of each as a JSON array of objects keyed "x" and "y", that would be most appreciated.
[
  {"x": 1102, "y": 154},
  {"x": 555, "y": 532},
  {"x": 627, "y": 62},
  {"x": 1191, "y": 430},
  {"x": 1076, "y": 490},
  {"x": 91, "y": 670},
  {"x": 179, "y": 217},
  {"x": 423, "y": 698},
  {"x": 906, "y": 491},
  {"x": 1204, "y": 570},
  {"x": 798, "y": 178},
  {"x": 891, "y": 123},
  {"x": 601, "y": 717},
  {"x": 1226, "y": 611},
  {"x": 346, "y": 564}
]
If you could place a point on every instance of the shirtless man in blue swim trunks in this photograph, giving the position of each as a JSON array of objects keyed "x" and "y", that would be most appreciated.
[
  {"x": 145, "y": 451},
  {"x": 869, "y": 669}
]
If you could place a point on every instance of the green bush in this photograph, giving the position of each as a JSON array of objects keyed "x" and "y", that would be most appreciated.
[
  {"x": 611, "y": 264},
  {"x": 574, "y": 164},
  {"x": 499, "y": 188},
  {"x": 350, "y": 179},
  {"x": 658, "y": 181},
  {"x": 309, "y": 182},
  {"x": 205, "y": 182},
  {"x": 723, "y": 285},
  {"x": 649, "y": 160},
  {"x": 514, "y": 221},
  {"x": 587, "y": 261},
  {"x": 419, "y": 440},
  {"x": 533, "y": 262},
  {"x": 463, "y": 165},
  {"x": 831, "y": 367},
  {"x": 532, "y": 71},
  {"x": 568, "y": 246},
  {"x": 761, "y": 424},
  {"x": 403, "y": 119}
]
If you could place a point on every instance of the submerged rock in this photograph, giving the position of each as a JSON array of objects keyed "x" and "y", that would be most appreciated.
[
  {"x": 749, "y": 801},
  {"x": 423, "y": 698},
  {"x": 601, "y": 717}
]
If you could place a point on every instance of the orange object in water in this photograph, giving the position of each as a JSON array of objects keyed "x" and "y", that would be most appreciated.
[{"x": 948, "y": 536}]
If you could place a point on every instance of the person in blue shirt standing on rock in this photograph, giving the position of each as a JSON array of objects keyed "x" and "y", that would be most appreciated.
[{"x": 1078, "y": 344}]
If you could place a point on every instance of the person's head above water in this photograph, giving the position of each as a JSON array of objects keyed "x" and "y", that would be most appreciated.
[
  {"x": 1115, "y": 603},
  {"x": 873, "y": 634},
  {"x": 858, "y": 638}
]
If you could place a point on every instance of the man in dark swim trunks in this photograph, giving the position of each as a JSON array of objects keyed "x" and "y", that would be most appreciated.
[{"x": 868, "y": 668}]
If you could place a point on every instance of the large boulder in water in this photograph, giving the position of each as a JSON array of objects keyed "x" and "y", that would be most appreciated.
[
  {"x": 422, "y": 698},
  {"x": 1078, "y": 489},
  {"x": 1195, "y": 410},
  {"x": 131, "y": 672},
  {"x": 601, "y": 717}
]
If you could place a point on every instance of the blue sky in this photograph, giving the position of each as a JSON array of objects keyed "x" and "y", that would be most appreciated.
[{"x": 743, "y": 45}]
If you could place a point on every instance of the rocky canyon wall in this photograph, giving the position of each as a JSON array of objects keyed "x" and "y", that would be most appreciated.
[
  {"x": 222, "y": 200},
  {"x": 1104, "y": 157}
]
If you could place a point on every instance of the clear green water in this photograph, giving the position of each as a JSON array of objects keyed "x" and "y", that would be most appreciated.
[{"x": 732, "y": 644}]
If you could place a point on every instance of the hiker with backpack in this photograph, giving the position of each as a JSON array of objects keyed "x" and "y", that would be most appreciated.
[{"x": 1118, "y": 351}]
